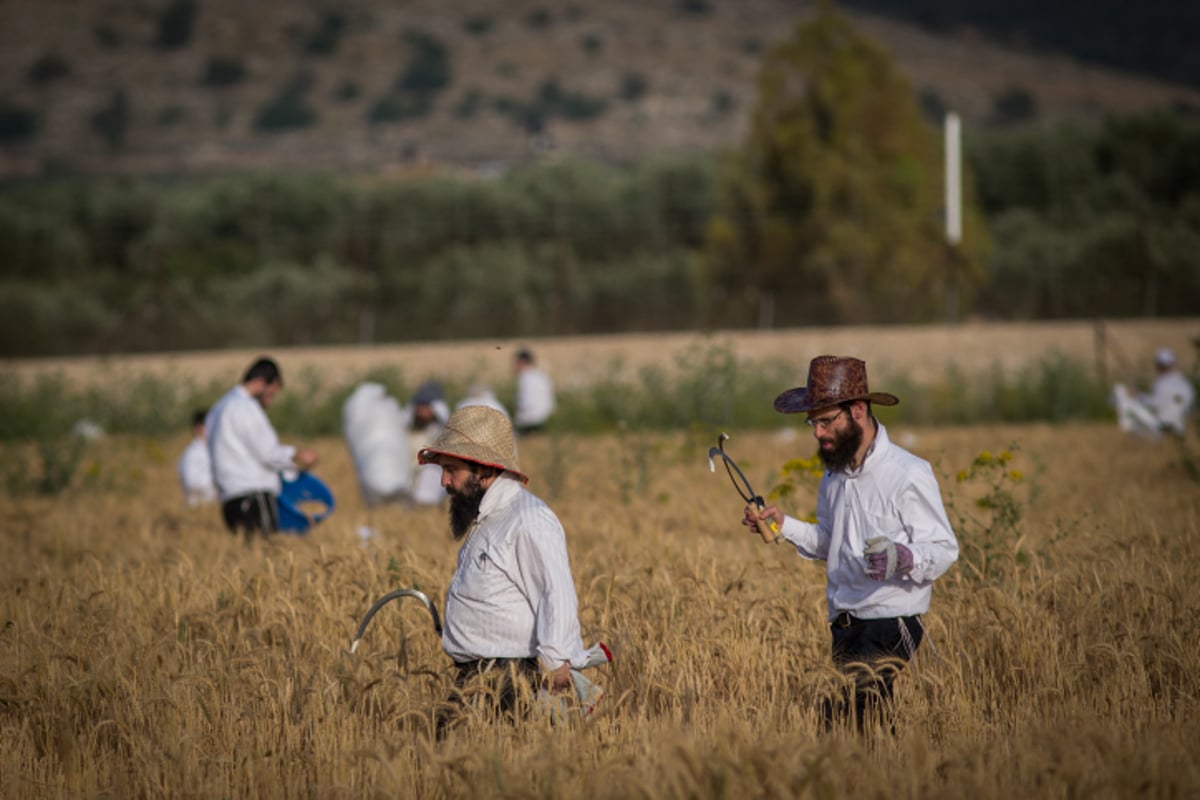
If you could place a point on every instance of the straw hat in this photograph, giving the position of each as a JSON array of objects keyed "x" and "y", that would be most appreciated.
[
  {"x": 479, "y": 434},
  {"x": 832, "y": 380}
]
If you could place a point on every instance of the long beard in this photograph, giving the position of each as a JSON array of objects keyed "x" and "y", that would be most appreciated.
[
  {"x": 464, "y": 507},
  {"x": 845, "y": 445}
]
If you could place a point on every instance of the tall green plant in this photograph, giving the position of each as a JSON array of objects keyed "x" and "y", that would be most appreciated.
[{"x": 830, "y": 210}]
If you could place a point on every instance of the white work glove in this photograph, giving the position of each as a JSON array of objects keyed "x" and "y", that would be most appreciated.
[{"x": 886, "y": 559}]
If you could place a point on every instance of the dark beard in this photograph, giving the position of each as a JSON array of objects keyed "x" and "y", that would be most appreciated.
[
  {"x": 464, "y": 507},
  {"x": 844, "y": 448}
]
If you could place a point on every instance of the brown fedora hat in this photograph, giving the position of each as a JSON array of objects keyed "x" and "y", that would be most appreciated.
[
  {"x": 480, "y": 434},
  {"x": 832, "y": 380}
]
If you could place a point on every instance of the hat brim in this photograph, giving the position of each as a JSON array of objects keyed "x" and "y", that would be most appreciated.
[
  {"x": 476, "y": 455},
  {"x": 799, "y": 401}
]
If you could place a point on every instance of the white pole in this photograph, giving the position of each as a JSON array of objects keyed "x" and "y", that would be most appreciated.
[{"x": 953, "y": 180}]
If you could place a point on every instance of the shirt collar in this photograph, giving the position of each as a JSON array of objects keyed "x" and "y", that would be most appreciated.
[
  {"x": 501, "y": 494},
  {"x": 879, "y": 444}
]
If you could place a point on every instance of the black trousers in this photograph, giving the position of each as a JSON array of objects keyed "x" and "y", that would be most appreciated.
[
  {"x": 500, "y": 684},
  {"x": 872, "y": 652},
  {"x": 254, "y": 513}
]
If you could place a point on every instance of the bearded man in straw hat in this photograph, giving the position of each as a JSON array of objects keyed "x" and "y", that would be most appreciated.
[
  {"x": 881, "y": 529},
  {"x": 511, "y": 609}
]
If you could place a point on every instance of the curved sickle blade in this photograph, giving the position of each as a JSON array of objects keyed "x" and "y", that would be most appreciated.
[
  {"x": 732, "y": 469},
  {"x": 389, "y": 597}
]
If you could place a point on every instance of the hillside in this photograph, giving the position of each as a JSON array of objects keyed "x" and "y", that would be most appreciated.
[{"x": 167, "y": 86}]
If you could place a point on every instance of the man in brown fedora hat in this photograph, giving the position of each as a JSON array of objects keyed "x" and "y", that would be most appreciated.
[
  {"x": 881, "y": 529},
  {"x": 511, "y": 609}
]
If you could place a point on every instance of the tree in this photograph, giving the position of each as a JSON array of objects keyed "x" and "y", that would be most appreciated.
[{"x": 832, "y": 209}]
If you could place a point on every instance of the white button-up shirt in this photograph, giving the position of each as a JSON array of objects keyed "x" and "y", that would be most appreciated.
[
  {"x": 512, "y": 595},
  {"x": 245, "y": 451},
  {"x": 894, "y": 494},
  {"x": 1172, "y": 398},
  {"x": 535, "y": 397},
  {"x": 195, "y": 474}
]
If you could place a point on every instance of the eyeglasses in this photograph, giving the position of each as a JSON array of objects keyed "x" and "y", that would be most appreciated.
[{"x": 824, "y": 422}]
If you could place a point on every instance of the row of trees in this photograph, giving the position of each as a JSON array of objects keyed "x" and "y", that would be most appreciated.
[{"x": 830, "y": 212}]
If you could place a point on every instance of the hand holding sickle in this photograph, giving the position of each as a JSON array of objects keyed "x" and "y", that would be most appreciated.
[{"x": 766, "y": 520}]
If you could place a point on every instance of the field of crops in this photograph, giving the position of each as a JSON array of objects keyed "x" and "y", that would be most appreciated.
[{"x": 145, "y": 652}]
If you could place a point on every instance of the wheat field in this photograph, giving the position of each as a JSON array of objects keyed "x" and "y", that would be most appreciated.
[{"x": 145, "y": 652}]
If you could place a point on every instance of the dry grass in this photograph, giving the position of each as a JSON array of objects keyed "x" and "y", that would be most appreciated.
[
  {"x": 144, "y": 652},
  {"x": 919, "y": 353}
]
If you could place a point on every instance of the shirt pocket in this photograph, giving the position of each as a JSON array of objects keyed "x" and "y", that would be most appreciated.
[{"x": 889, "y": 525}]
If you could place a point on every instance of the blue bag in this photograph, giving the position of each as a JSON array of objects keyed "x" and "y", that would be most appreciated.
[{"x": 308, "y": 490}]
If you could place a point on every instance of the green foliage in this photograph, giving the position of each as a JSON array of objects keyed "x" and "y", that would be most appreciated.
[
  {"x": 288, "y": 108},
  {"x": 427, "y": 73},
  {"x": 633, "y": 86},
  {"x": 428, "y": 70},
  {"x": 176, "y": 24},
  {"x": 17, "y": 124},
  {"x": 111, "y": 121},
  {"x": 48, "y": 471},
  {"x": 706, "y": 389},
  {"x": 479, "y": 24},
  {"x": 989, "y": 526},
  {"x": 107, "y": 36},
  {"x": 223, "y": 71},
  {"x": 1013, "y": 107},
  {"x": 698, "y": 8},
  {"x": 1093, "y": 222},
  {"x": 830, "y": 211},
  {"x": 799, "y": 475},
  {"x": 551, "y": 101},
  {"x": 539, "y": 18},
  {"x": 324, "y": 40},
  {"x": 49, "y": 67},
  {"x": 397, "y": 107}
]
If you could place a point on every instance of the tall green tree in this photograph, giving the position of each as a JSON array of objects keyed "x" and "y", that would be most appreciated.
[{"x": 832, "y": 210}]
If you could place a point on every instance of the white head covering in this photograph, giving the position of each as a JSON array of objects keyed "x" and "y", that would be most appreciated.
[{"x": 1165, "y": 357}]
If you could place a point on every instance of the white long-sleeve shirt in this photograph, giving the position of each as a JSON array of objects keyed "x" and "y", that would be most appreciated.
[
  {"x": 426, "y": 486},
  {"x": 535, "y": 398},
  {"x": 1171, "y": 398},
  {"x": 195, "y": 474},
  {"x": 512, "y": 595},
  {"x": 245, "y": 451},
  {"x": 895, "y": 494}
]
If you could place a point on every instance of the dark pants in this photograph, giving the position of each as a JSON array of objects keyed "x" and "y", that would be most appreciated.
[
  {"x": 499, "y": 685},
  {"x": 872, "y": 652},
  {"x": 254, "y": 513}
]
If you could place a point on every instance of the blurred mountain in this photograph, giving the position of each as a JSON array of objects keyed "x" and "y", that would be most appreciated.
[{"x": 178, "y": 86}]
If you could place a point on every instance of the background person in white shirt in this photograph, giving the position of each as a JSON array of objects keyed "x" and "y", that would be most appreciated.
[
  {"x": 535, "y": 394},
  {"x": 1165, "y": 409},
  {"x": 195, "y": 468},
  {"x": 246, "y": 453},
  {"x": 881, "y": 529},
  {"x": 479, "y": 394},
  {"x": 511, "y": 608},
  {"x": 424, "y": 417}
]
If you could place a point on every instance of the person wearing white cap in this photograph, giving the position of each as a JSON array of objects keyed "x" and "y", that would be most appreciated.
[
  {"x": 1164, "y": 409},
  {"x": 511, "y": 608}
]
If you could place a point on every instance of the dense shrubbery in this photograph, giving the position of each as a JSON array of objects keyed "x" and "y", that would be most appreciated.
[
  {"x": 1085, "y": 222},
  {"x": 707, "y": 387}
]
